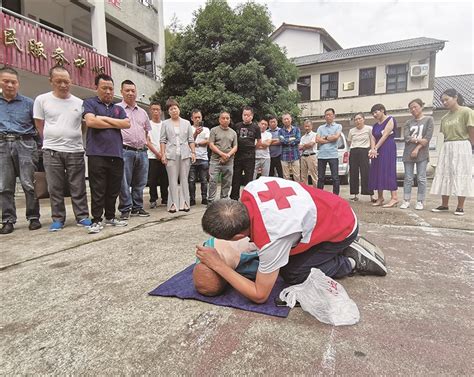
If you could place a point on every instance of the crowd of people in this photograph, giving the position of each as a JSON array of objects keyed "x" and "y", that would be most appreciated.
[{"x": 128, "y": 149}]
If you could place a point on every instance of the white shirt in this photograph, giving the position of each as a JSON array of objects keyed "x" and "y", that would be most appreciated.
[
  {"x": 62, "y": 122},
  {"x": 201, "y": 151},
  {"x": 155, "y": 138},
  {"x": 308, "y": 138},
  {"x": 264, "y": 153}
]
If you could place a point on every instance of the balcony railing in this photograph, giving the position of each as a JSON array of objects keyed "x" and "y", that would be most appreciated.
[
  {"x": 31, "y": 46},
  {"x": 134, "y": 67}
]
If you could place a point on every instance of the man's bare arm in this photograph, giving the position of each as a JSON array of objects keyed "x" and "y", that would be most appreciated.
[{"x": 116, "y": 123}]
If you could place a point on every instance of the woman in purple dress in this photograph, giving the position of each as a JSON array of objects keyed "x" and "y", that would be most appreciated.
[{"x": 383, "y": 152}]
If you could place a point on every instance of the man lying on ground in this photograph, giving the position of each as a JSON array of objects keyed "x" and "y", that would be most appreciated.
[{"x": 295, "y": 228}]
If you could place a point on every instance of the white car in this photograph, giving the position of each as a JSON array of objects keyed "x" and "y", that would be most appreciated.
[
  {"x": 343, "y": 168},
  {"x": 400, "y": 142}
]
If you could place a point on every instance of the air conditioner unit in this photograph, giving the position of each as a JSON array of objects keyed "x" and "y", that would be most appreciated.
[{"x": 419, "y": 70}]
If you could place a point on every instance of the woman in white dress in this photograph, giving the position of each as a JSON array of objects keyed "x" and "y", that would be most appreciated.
[{"x": 454, "y": 170}]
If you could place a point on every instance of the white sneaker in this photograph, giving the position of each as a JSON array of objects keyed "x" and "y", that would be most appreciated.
[
  {"x": 95, "y": 228},
  {"x": 116, "y": 222},
  {"x": 405, "y": 205},
  {"x": 419, "y": 206}
]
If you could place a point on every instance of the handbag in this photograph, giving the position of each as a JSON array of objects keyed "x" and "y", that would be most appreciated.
[{"x": 41, "y": 186}]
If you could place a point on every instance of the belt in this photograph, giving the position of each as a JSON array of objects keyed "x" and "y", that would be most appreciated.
[
  {"x": 309, "y": 154},
  {"x": 128, "y": 148},
  {"x": 13, "y": 137}
]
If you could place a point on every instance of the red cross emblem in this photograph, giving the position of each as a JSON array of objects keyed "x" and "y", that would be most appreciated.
[{"x": 277, "y": 193}]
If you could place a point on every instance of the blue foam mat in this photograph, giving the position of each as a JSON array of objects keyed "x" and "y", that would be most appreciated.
[{"x": 181, "y": 285}]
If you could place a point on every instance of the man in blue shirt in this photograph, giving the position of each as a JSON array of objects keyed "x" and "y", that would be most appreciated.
[
  {"x": 104, "y": 150},
  {"x": 18, "y": 151},
  {"x": 290, "y": 137},
  {"x": 327, "y": 137},
  {"x": 275, "y": 147}
]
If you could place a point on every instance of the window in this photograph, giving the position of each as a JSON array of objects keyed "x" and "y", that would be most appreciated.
[
  {"x": 329, "y": 83},
  {"x": 145, "y": 57},
  {"x": 326, "y": 48},
  {"x": 367, "y": 81},
  {"x": 304, "y": 88},
  {"x": 397, "y": 78}
]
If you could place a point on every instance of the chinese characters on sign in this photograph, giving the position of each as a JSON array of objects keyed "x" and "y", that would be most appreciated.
[
  {"x": 10, "y": 38},
  {"x": 36, "y": 48}
]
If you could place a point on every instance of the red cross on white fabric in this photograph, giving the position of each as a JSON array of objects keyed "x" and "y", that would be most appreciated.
[{"x": 277, "y": 193}]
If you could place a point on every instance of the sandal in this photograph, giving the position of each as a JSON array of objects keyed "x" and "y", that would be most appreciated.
[
  {"x": 391, "y": 204},
  {"x": 172, "y": 209},
  {"x": 377, "y": 203}
]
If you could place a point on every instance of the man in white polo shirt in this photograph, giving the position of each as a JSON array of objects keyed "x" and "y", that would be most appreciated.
[
  {"x": 308, "y": 149},
  {"x": 200, "y": 168},
  {"x": 58, "y": 118}
]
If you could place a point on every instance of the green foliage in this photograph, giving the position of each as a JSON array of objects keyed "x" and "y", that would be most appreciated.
[{"x": 225, "y": 60}]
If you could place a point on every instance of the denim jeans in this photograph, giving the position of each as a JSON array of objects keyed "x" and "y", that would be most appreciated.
[
  {"x": 62, "y": 170},
  {"x": 135, "y": 175},
  {"x": 334, "y": 166},
  {"x": 420, "y": 176},
  {"x": 18, "y": 158},
  {"x": 199, "y": 168},
  {"x": 227, "y": 170}
]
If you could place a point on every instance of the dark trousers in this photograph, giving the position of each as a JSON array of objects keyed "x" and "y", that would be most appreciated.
[
  {"x": 199, "y": 169},
  {"x": 66, "y": 171},
  {"x": 105, "y": 181},
  {"x": 334, "y": 166},
  {"x": 275, "y": 164},
  {"x": 246, "y": 165},
  {"x": 359, "y": 163},
  {"x": 326, "y": 256},
  {"x": 157, "y": 176}
]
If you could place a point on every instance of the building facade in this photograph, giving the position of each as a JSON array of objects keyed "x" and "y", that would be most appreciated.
[
  {"x": 352, "y": 80},
  {"x": 123, "y": 38}
]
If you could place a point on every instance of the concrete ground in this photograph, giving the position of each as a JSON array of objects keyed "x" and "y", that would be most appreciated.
[{"x": 74, "y": 303}]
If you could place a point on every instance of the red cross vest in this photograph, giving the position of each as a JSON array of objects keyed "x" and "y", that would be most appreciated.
[{"x": 279, "y": 207}]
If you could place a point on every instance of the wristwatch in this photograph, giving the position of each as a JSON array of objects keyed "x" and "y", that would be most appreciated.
[{"x": 326, "y": 137}]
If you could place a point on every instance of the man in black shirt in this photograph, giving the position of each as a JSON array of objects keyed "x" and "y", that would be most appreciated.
[{"x": 247, "y": 132}]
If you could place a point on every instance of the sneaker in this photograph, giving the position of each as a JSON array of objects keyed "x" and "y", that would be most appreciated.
[
  {"x": 56, "y": 226},
  {"x": 125, "y": 215},
  {"x": 153, "y": 205},
  {"x": 192, "y": 202},
  {"x": 115, "y": 222},
  {"x": 34, "y": 224},
  {"x": 84, "y": 222},
  {"x": 140, "y": 213},
  {"x": 459, "y": 212},
  {"x": 95, "y": 228},
  {"x": 7, "y": 228},
  {"x": 405, "y": 205},
  {"x": 204, "y": 202},
  {"x": 368, "y": 258},
  {"x": 419, "y": 206},
  {"x": 440, "y": 209}
]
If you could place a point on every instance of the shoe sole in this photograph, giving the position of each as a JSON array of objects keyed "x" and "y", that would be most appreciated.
[
  {"x": 371, "y": 252},
  {"x": 117, "y": 225},
  {"x": 459, "y": 214},
  {"x": 55, "y": 230}
]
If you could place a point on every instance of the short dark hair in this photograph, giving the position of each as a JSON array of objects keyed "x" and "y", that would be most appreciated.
[
  {"x": 418, "y": 101},
  {"x": 171, "y": 102},
  {"x": 249, "y": 108},
  {"x": 225, "y": 218},
  {"x": 9, "y": 70},
  {"x": 56, "y": 68},
  {"x": 378, "y": 106},
  {"x": 271, "y": 116},
  {"x": 330, "y": 109},
  {"x": 454, "y": 93},
  {"x": 195, "y": 111},
  {"x": 224, "y": 112},
  {"x": 155, "y": 103},
  {"x": 104, "y": 77},
  {"x": 127, "y": 82},
  {"x": 361, "y": 114}
]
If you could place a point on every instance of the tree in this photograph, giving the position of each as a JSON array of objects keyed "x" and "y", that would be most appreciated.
[
  {"x": 171, "y": 32},
  {"x": 225, "y": 60}
]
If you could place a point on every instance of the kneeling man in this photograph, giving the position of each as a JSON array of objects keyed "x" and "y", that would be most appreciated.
[{"x": 295, "y": 228}]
